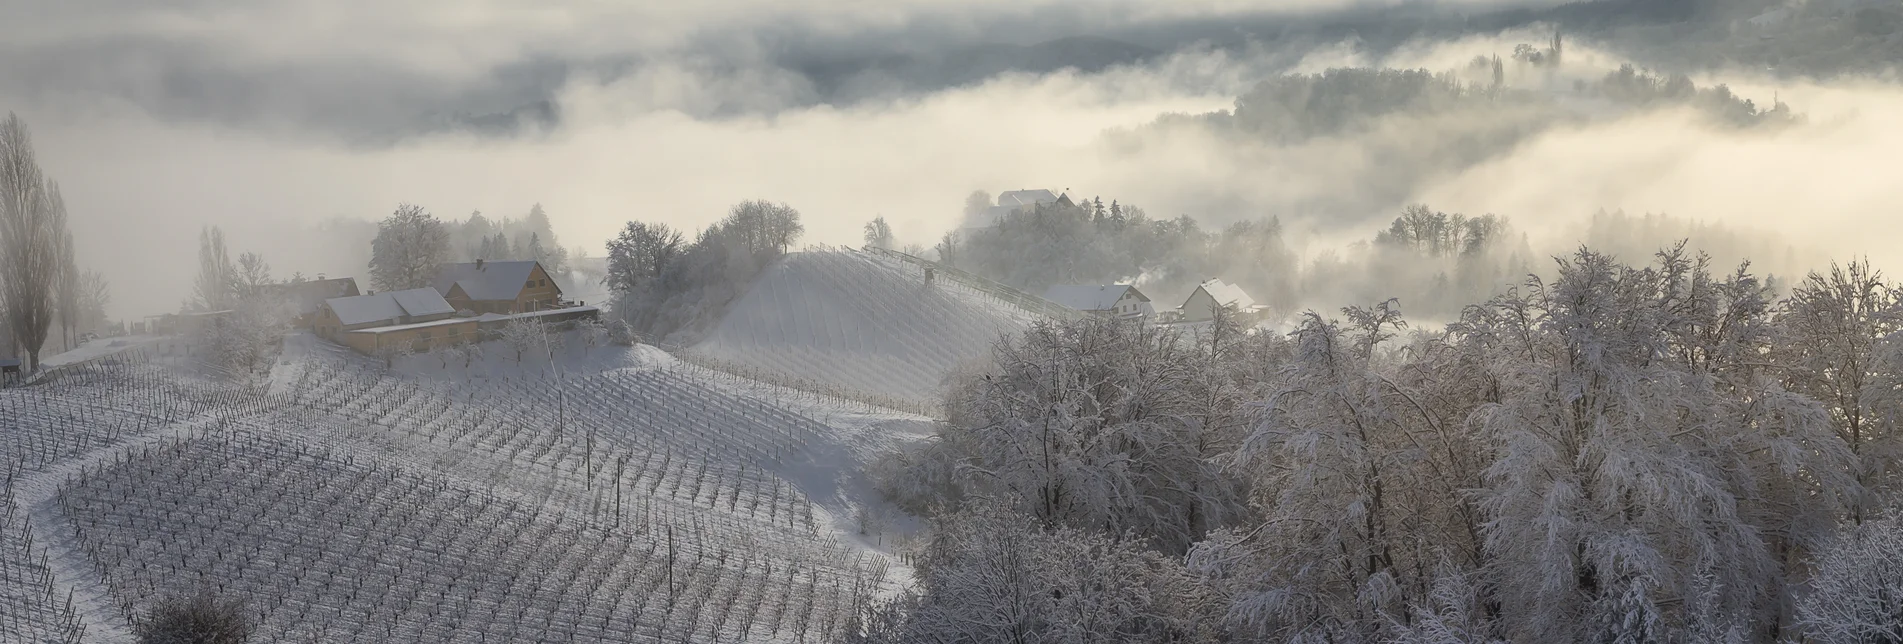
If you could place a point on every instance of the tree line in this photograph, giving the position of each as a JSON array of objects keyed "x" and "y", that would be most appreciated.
[
  {"x": 40, "y": 279},
  {"x": 1621, "y": 453},
  {"x": 664, "y": 286}
]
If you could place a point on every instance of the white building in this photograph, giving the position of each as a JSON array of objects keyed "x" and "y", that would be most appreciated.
[
  {"x": 1107, "y": 300},
  {"x": 1213, "y": 294},
  {"x": 1011, "y": 201}
]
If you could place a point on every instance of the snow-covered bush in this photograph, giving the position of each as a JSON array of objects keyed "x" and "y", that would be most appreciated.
[
  {"x": 621, "y": 334},
  {"x": 198, "y": 619},
  {"x": 989, "y": 574},
  {"x": 1856, "y": 586}
]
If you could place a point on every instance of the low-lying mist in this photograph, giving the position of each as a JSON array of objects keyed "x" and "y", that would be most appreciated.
[{"x": 660, "y": 143}]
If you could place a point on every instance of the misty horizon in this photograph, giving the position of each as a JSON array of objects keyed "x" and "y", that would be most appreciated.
[{"x": 679, "y": 128}]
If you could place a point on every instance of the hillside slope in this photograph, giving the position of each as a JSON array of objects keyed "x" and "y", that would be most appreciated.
[
  {"x": 636, "y": 499},
  {"x": 859, "y": 322}
]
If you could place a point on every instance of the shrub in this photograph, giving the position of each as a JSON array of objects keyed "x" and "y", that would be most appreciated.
[{"x": 198, "y": 619}]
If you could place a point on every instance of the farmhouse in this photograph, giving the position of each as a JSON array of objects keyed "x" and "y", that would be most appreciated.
[
  {"x": 417, "y": 337},
  {"x": 1215, "y": 294},
  {"x": 1107, "y": 300},
  {"x": 1011, "y": 201},
  {"x": 411, "y": 313},
  {"x": 498, "y": 287}
]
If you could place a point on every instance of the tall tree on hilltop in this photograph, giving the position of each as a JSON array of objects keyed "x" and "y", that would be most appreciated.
[
  {"x": 215, "y": 272},
  {"x": 640, "y": 253},
  {"x": 878, "y": 233},
  {"x": 32, "y": 224},
  {"x": 410, "y": 245}
]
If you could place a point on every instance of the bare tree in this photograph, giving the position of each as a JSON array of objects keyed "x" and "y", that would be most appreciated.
[
  {"x": 67, "y": 284},
  {"x": 948, "y": 249},
  {"x": 640, "y": 253},
  {"x": 252, "y": 276},
  {"x": 94, "y": 295},
  {"x": 213, "y": 290},
  {"x": 409, "y": 247},
  {"x": 763, "y": 226},
  {"x": 878, "y": 233},
  {"x": 32, "y": 225}
]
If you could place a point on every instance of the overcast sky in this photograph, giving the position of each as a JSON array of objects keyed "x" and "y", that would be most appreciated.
[{"x": 267, "y": 116}]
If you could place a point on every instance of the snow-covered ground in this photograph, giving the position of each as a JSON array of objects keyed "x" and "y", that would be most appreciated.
[
  {"x": 859, "y": 322},
  {"x": 587, "y": 494}
]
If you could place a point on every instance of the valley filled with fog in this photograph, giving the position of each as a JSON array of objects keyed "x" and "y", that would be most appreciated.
[{"x": 1054, "y": 321}]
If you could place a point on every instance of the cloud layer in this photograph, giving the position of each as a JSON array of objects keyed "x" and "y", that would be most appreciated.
[{"x": 672, "y": 114}]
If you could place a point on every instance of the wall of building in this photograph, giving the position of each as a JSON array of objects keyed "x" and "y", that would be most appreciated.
[
  {"x": 418, "y": 340},
  {"x": 1199, "y": 307},
  {"x": 539, "y": 294}
]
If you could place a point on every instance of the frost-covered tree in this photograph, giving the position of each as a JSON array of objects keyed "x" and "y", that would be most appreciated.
[
  {"x": 1618, "y": 507},
  {"x": 990, "y": 575},
  {"x": 409, "y": 247},
  {"x": 1359, "y": 493},
  {"x": 1099, "y": 425},
  {"x": 524, "y": 337},
  {"x": 213, "y": 289},
  {"x": 878, "y": 233},
  {"x": 68, "y": 293},
  {"x": 252, "y": 277},
  {"x": 641, "y": 252},
  {"x": 663, "y": 288},
  {"x": 32, "y": 227},
  {"x": 1856, "y": 587},
  {"x": 95, "y": 294},
  {"x": 1839, "y": 347}
]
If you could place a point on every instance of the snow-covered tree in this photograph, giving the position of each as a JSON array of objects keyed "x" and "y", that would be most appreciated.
[
  {"x": 1097, "y": 424},
  {"x": 524, "y": 337},
  {"x": 878, "y": 233},
  {"x": 1856, "y": 587},
  {"x": 1358, "y": 494},
  {"x": 32, "y": 227},
  {"x": 216, "y": 276},
  {"x": 1838, "y": 347},
  {"x": 1616, "y": 502},
  {"x": 641, "y": 252},
  {"x": 409, "y": 247},
  {"x": 991, "y": 575}
]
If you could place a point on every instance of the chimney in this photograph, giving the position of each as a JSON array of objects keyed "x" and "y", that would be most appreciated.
[{"x": 479, "y": 263}]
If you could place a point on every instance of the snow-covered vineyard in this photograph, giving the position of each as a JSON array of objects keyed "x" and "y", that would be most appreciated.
[
  {"x": 649, "y": 500},
  {"x": 862, "y": 322}
]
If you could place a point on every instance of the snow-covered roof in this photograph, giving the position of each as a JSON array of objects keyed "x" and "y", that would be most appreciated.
[
  {"x": 309, "y": 294},
  {"x": 1227, "y": 294},
  {"x": 1016, "y": 198},
  {"x": 1090, "y": 297},
  {"x": 416, "y": 302},
  {"x": 492, "y": 318},
  {"x": 485, "y": 281},
  {"x": 417, "y": 325}
]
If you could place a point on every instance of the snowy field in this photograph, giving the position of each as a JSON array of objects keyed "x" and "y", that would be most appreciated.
[
  {"x": 584, "y": 495},
  {"x": 859, "y": 322}
]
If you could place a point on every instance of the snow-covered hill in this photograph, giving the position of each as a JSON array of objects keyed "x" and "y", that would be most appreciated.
[
  {"x": 859, "y": 322},
  {"x": 635, "y": 498}
]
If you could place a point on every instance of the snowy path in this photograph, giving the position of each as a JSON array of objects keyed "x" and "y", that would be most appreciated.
[{"x": 38, "y": 494}]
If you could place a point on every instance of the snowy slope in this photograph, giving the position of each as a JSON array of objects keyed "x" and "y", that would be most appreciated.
[
  {"x": 859, "y": 322},
  {"x": 629, "y": 498}
]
